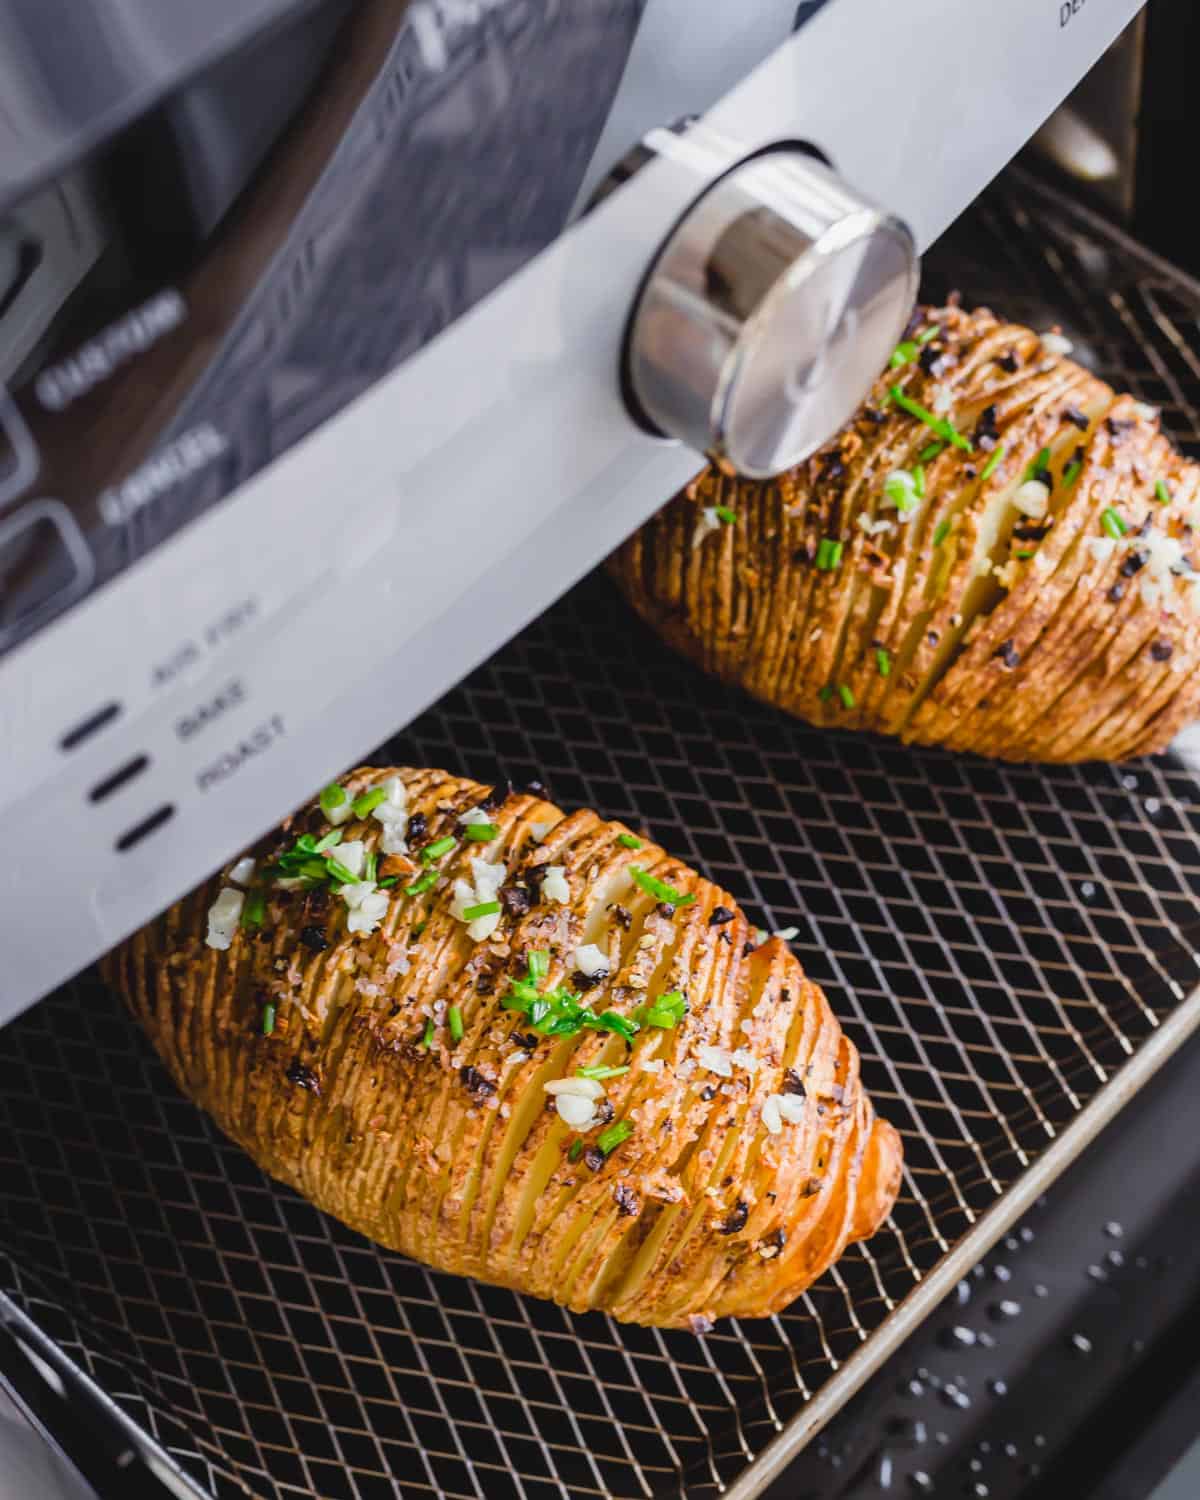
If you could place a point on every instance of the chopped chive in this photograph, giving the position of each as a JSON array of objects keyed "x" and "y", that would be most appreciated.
[
  {"x": 1024, "y": 554},
  {"x": 1039, "y": 466},
  {"x": 390, "y": 881},
  {"x": 254, "y": 908},
  {"x": 576, "y": 1150},
  {"x": 436, "y": 850},
  {"x": 484, "y": 909},
  {"x": 339, "y": 872},
  {"x": 427, "y": 1039},
  {"x": 666, "y": 1012},
  {"x": 829, "y": 554},
  {"x": 421, "y": 883},
  {"x": 609, "y": 1020},
  {"x": 371, "y": 867},
  {"x": 481, "y": 833},
  {"x": 628, "y": 841},
  {"x": 725, "y": 515},
  {"x": 901, "y": 489},
  {"x": 941, "y": 532},
  {"x": 931, "y": 451},
  {"x": 903, "y": 354},
  {"x": 539, "y": 966},
  {"x": 927, "y": 335},
  {"x": 883, "y": 661},
  {"x": 659, "y": 889},
  {"x": 419, "y": 929},
  {"x": 1163, "y": 493},
  {"x": 333, "y": 796},
  {"x": 919, "y": 480},
  {"x": 1071, "y": 473},
  {"x": 1113, "y": 524},
  {"x": 367, "y": 802},
  {"x": 608, "y": 1140},
  {"x": 993, "y": 462},
  {"x": 940, "y": 425},
  {"x": 600, "y": 1071},
  {"x": 845, "y": 694},
  {"x": 826, "y": 693},
  {"x": 268, "y": 1019},
  {"x": 334, "y": 836},
  {"x": 454, "y": 1017}
]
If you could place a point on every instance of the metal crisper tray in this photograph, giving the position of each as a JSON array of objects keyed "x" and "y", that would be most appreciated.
[{"x": 1012, "y": 949}]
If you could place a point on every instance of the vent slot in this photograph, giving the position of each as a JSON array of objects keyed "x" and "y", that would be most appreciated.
[
  {"x": 145, "y": 828},
  {"x": 119, "y": 777},
  {"x": 90, "y": 726}
]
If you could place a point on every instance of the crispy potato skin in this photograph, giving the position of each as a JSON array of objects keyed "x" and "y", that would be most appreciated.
[
  {"x": 969, "y": 624},
  {"x": 453, "y": 1153}
]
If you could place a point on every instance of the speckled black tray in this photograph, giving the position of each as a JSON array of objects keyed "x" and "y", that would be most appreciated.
[{"x": 1011, "y": 949}]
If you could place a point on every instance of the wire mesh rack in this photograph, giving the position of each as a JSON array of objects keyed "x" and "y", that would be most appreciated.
[{"x": 1012, "y": 948}]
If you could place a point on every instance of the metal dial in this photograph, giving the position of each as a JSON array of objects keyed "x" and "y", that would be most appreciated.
[{"x": 768, "y": 312}]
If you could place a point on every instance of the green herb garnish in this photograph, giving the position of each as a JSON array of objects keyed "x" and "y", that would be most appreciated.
[
  {"x": 254, "y": 908},
  {"x": 427, "y": 1039},
  {"x": 1163, "y": 493},
  {"x": 1024, "y": 554},
  {"x": 927, "y": 335},
  {"x": 390, "y": 881},
  {"x": 903, "y": 354},
  {"x": 883, "y": 660},
  {"x": 901, "y": 489},
  {"x": 436, "y": 850},
  {"x": 339, "y": 873},
  {"x": 454, "y": 1017},
  {"x": 481, "y": 833},
  {"x": 421, "y": 884},
  {"x": 330, "y": 841},
  {"x": 367, "y": 802},
  {"x": 941, "y": 532},
  {"x": 931, "y": 451},
  {"x": 993, "y": 463},
  {"x": 268, "y": 1019},
  {"x": 576, "y": 1151},
  {"x": 1113, "y": 523},
  {"x": 666, "y": 1012},
  {"x": 846, "y": 695},
  {"x": 826, "y": 693},
  {"x": 627, "y": 841},
  {"x": 484, "y": 909},
  {"x": 333, "y": 797},
  {"x": 1039, "y": 466},
  {"x": 940, "y": 425},
  {"x": 608, "y": 1140},
  {"x": 659, "y": 889},
  {"x": 1071, "y": 473},
  {"x": 919, "y": 481},
  {"x": 725, "y": 515},
  {"x": 829, "y": 554},
  {"x": 600, "y": 1071},
  {"x": 539, "y": 966}
]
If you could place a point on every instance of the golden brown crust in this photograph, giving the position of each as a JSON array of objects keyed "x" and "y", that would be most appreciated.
[
  {"x": 969, "y": 623},
  {"x": 454, "y": 1152}
]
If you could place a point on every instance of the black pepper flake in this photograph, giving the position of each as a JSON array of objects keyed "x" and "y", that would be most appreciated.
[
  {"x": 536, "y": 788},
  {"x": 527, "y": 1040},
  {"x": 583, "y": 981},
  {"x": 1120, "y": 428},
  {"x": 804, "y": 555},
  {"x": 832, "y": 467},
  {"x": 708, "y": 1092},
  {"x": 986, "y": 434},
  {"x": 314, "y": 938},
  {"x": 498, "y": 796},
  {"x": 1116, "y": 593},
  {"x": 605, "y": 1110},
  {"x": 932, "y": 637},
  {"x": 735, "y": 1220},
  {"x": 773, "y": 1244},
  {"x": 516, "y": 899},
  {"x": 316, "y": 904},
  {"x": 719, "y": 916},
  {"x": 1076, "y": 418},
  {"x": 1133, "y": 563},
  {"x": 873, "y": 415},
  {"x": 665, "y": 909},
  {"x": 812, "y": 1187},
  {"x": 303, "y": 1076},
  {"x": 626, "y": 1200},
  {"x": 784, "y": 995},
  {"x": 622, "y": 916},
  {"x": 747, "y": 949},
  {"x": 1031, "y": 531},
  {"x": 1162, "y": 650},
  {"x": 793, "y": 1083},
  {"x": 1007, "y": 653},
  {"x": 934, "y": 360},
  {"x": 479, "y": 1087},
  {"x": 1009, "y": 362},
  {"x": 418, "y": 827},
  {"x": 593, "y": 1158}
]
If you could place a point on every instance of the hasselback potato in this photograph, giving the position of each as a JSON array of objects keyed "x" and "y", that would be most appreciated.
[
  {"x": 522, "y": 1046},
  {"x": 997, "y": 555}
]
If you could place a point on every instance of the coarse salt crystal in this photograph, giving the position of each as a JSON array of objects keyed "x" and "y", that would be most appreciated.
[
  {"x": 942, "y": 401},
  {"x": 243, "y": 872},
  {"x": 715, "y": 1059},
  {"x": 792, "y": 1107},
  {"x": 744, "y": 1059},
  {"x": 771, "y": 1117},
  {"x": 1101, "y": 547},
  {"x": 1055, "y": 343},
  {"x": 654, "y": 1065},
  {"x": 878, "y": 527}
]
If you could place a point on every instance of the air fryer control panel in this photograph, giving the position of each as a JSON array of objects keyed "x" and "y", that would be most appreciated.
[{"x": 257, "y": 512}]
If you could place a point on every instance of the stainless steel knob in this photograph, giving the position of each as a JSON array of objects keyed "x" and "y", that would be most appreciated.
[{"x": 768, "y": 312}]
